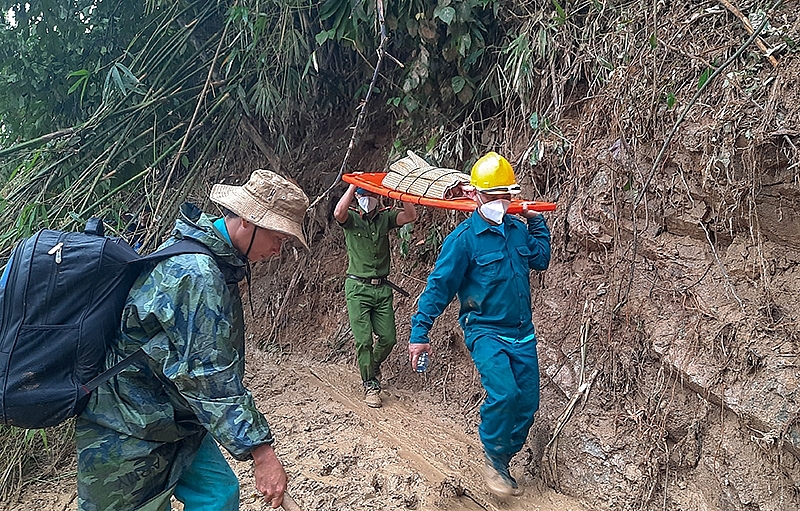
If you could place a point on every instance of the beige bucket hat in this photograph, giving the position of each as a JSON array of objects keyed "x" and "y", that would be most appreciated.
[{"x": 268, "y": 201}]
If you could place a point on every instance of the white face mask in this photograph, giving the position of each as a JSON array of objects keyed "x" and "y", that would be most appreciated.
[
  {"x": 367, "y": 203},
  {"x": 494, "y": 211}
]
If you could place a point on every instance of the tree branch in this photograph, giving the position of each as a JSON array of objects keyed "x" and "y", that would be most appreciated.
[{"x": 381, "y": 52}]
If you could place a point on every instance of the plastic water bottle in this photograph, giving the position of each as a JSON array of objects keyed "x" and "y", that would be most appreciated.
[{"x": 422, "y": 362}]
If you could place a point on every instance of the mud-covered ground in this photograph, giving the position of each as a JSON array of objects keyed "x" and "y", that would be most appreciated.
[{"x": 342, "y": 455}]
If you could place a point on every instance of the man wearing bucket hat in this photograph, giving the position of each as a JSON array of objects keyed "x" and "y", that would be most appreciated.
[
  {"x": 151, "y": 432},
  {"x": 486, "y": 261},
  {"x": 366, "y": 289}
]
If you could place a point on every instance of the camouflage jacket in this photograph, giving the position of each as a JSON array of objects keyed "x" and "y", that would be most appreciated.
[{"x": 141, "y": 429}]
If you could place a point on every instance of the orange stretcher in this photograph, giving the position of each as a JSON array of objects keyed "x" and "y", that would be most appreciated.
[{"x": 372, "y": 181}]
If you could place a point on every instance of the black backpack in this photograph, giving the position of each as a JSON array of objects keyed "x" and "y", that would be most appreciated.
[{"x": 61, "y": 297}]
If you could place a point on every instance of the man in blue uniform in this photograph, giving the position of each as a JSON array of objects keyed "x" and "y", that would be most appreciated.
[{"x": 486, "y": 261}]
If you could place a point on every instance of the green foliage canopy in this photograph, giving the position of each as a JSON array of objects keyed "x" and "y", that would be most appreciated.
[
  {"x": 48, "y": 47},
  {"x": 107, "y": 104}
]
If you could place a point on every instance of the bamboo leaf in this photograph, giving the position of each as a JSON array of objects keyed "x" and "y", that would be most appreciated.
[
  {"x": 128, "y": 79},
  {"x": 704, "y": 78},
  {"x": 431, "y": 144},
  {"x": 446, "y": 14},
  {"x": 561, "y": 15},
  {"x": 117, "y": 79},
  {"x": 329, "y": 8},
  {"x": 457, "y": 82},
  {"x": 80, "y": 74}
]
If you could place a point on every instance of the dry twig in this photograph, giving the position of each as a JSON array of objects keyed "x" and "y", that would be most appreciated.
[
  {"x": 479, "y": 499},
  {"x": 582, "y": 392},
  {"x": 749, "y": 27}
]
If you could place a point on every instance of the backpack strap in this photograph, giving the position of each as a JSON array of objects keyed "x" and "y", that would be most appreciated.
[
  {"x": 184, "y": 246},
  {"x": 190, "y": 246},
  {"x": 114, "y": 370}
]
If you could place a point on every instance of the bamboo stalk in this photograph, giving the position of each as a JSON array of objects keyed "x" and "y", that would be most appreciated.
[
  {"x": 196, "y": 59},
  {"x": 76, "y": 181},
  {"x": 173, "y": 41},
  {"x": 113, "y": 150},
  {"x": 179, "y": 194},
  {"x": 37, "y": 141},
  {"x": 138, "y": 176},
  {"x": 200, "y": 99}
]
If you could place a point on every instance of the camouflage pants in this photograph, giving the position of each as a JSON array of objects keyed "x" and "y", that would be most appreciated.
[{"x": 119, "y": 473}]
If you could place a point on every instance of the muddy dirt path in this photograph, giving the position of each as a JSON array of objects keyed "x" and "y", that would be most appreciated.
[{"x": 342, "y": 455}]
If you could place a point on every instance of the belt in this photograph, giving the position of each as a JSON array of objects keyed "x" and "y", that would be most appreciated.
[{"x": 379, "y": 281}]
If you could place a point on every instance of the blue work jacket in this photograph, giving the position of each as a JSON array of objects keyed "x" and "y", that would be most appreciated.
[{"x": 488, "y": 267}]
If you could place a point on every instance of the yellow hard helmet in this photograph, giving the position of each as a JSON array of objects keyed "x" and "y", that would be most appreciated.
[{"x": 492, "y": 174}]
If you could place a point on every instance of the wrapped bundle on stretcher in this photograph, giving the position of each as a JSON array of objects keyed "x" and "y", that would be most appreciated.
[
  {"x": 412, "y": 179},
  {"x": 414, "y": 175}
]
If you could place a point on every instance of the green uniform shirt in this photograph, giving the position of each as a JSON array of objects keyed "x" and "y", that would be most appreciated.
[{"x": 368, "y": 242}]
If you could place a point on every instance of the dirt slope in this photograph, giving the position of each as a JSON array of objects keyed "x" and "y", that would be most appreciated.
[{"x": 668, "y": 323}]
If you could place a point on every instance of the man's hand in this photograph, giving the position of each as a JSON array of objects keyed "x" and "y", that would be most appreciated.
[
  {"x": 528, "y": 213},
  {"x": 415, "y": 350},
  {"x": 270, "y": 476},
  {"x": 408, "y": 215}
]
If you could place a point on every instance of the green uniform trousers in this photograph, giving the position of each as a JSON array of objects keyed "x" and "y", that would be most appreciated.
[{"x": 371, "y": 310}]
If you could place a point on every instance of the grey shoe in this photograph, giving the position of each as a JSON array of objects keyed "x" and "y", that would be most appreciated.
[
  {"x": 498, "y": 479},
  {"x": 372, "y": 396}
]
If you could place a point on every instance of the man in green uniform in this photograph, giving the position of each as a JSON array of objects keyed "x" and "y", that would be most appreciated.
[
  {"x": 151, "y": 432},
  {"x": 368, "y": 293}
]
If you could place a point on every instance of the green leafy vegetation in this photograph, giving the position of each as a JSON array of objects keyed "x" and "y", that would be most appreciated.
[
  {"x": 404, "y": 233},
  {"x": 109, "y": 107}
]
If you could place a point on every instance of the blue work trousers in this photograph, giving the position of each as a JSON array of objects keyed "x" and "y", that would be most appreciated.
[
  {"x": 208, "y": 484},
  {"x": 510, "y": 375}
]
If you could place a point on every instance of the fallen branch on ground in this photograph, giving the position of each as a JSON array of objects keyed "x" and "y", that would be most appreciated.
[{"x": 749, "y": 27}]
